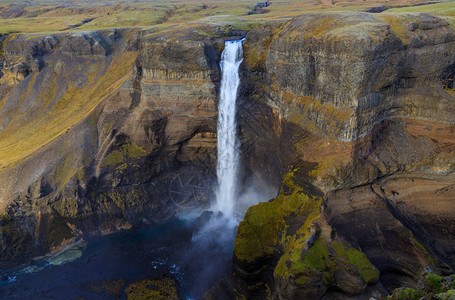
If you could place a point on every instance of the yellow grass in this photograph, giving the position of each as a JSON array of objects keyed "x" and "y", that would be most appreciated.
[
  {"x": 48, "y": 18},
  {"x": 16, "y": 143}
]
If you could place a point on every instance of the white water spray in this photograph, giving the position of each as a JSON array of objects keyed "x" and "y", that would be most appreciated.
[{"x": 228, "y": 144}]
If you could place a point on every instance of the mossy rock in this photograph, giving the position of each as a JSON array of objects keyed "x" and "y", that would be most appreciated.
[
  {"x": 327, "y": 262},
  {"x": 127, "y": 151},
  {"x": 155, "y": 289},
  {"x": 258, "y": 235},
  {"x": 449, "y": 295},
  {"x": 406, "y": 294},
  {"x": 431, "y": 286},
  {"x": 434, "y": 283}
]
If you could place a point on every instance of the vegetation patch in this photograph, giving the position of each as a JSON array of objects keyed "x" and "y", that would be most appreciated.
[
  {"x": 123, "y": 201},
  {"x": 444, "y": 8},
  {"x": 396, "y": 27},
  {"x": 366, "y": 270},
  {"x": 153, "y": 289},
  {"x": 17, "y": 142},
  {"x": 127, "y": 151},
  {"x": 430, "y": 286},
  {"x": 321, "y": 261},
  {"x": 258, "y": 234}
]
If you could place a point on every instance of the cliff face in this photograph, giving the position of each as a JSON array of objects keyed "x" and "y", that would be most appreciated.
[
  {"x": 346, "y": 72},
  {"x": 364, "y": 103},
  {"x": 101, "y": 131}
]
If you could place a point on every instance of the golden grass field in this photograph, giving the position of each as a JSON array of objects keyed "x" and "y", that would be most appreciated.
[{"x": 56, "y": 16}]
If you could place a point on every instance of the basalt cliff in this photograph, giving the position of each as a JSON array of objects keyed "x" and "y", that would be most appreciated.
[{"x": 349, "y": 115}]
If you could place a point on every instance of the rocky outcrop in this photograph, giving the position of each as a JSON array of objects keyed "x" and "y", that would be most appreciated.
[
  {"x": 401, "y": 223},
  {"x": 430, "y": 286}
]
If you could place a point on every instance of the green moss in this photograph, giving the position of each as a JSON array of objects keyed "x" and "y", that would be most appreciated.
[
  {"x": 258, "y": 233},
  {"x": 118, "y": 200},
  {"x": 127, "y": 151},
  {"x": 339, "y": 248},
  {"x": 114, "y": 158},
  {"x": 318, "y": 256},
  {"x": 363, "y": 265},
  {"x": 301, "y": 281},
  {"x": 322, "y": 26},
  {"x": 268, "y": 292},
  {"x": 324, "y": 258},
  {"x": 396, "y": 27},
  {"x": 281, "y": 267},
  {"x": 435, "y": 282},
  {"x": 431, "y": 286},
  {"x": 67, "y": 207},
  {"x": 240, "y": 297},
  {"x": 162, "y": 289},
  {"x": 123, "y": 201},
  {"x": 421, "y": 247},
  {"x": 449, "y": 295},
  {"x": 407, "y": 294}
]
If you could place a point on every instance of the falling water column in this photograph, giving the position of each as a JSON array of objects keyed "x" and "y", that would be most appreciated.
[{"x": 228, "y": 144}]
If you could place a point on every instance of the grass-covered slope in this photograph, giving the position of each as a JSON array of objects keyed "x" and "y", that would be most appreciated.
[
  {"x": 47, "y": 104},
  {"x": 55, "y": 16}
]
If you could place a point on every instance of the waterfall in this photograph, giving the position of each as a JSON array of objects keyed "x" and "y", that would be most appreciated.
[{"x": 228, "y": 144}]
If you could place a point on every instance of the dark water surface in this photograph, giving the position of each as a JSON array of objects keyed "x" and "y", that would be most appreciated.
[{"x": 196, "y": 253}]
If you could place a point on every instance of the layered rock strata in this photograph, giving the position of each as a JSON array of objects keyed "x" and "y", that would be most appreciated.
[
  {"x": 102, "y": 131},
  {"x": 363, "y": 104},
  {"x": 350, "y": 113}
]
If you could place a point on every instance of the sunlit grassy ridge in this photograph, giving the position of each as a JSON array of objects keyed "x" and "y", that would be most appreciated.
[
  {"x": 19, "y": 140},
  {"x": 443, "y": 9},
  {"x": 51, "y": 16}
]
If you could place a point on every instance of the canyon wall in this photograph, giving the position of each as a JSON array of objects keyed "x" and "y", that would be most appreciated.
[
  {"x": 349, "y": 113},
  {"x": 102, "y": 131},
  {"x": 364, "y": 103}
]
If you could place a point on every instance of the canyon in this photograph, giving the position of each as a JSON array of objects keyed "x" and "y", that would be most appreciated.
[{"x": 347, "y": 117}]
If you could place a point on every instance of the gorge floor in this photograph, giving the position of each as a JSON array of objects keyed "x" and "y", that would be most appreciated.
[{"x": 151, "y": 252}]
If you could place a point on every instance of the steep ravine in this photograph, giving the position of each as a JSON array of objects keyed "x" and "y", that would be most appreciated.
[
  {"x": 102, "y": 134},
  {"x": 349, "y": 113}
]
